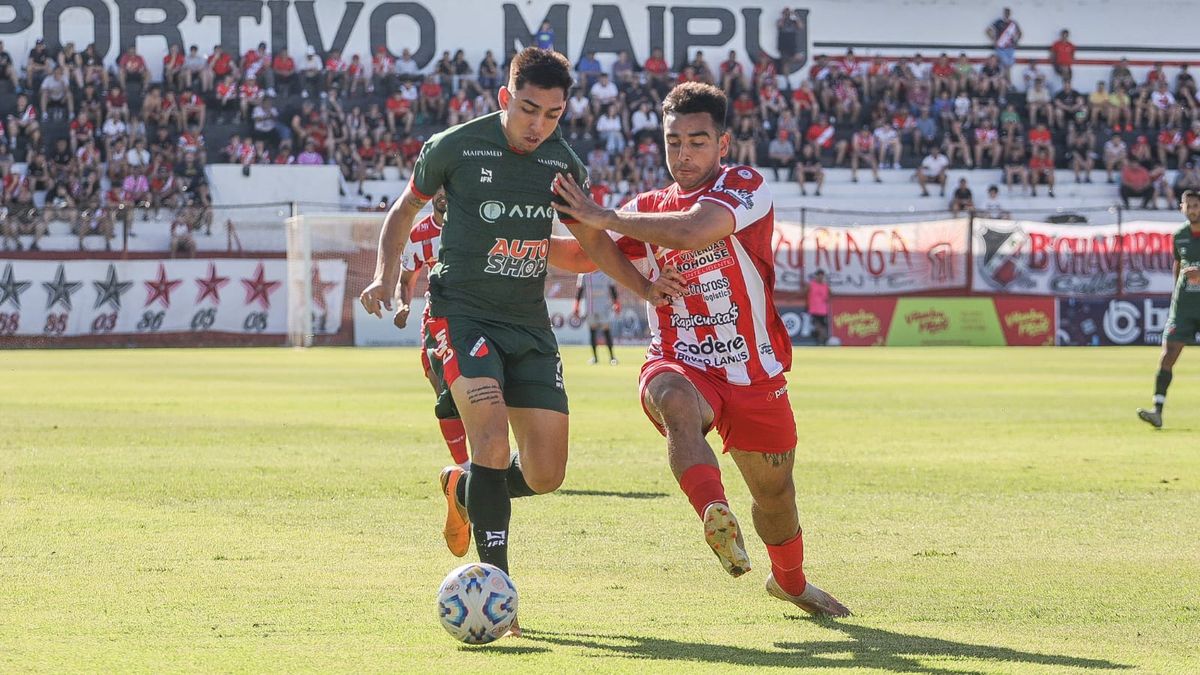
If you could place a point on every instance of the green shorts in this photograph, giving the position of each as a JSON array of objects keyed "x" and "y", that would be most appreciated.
[
  {"x": 523, "y": 359},
  {"x": 1182, "y": 329}
]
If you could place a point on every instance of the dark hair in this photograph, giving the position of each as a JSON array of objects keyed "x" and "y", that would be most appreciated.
[
  {"x": 697, "y": 97},
  {"x": 1188, "y": 194},
  {"x": 542, "y": 68}
]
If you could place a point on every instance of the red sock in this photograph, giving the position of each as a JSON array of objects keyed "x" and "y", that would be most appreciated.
[
  {"x": 702, "y": 485},
  {"x": 787, "y": 564},
  {"x": 456, "y": 439}
]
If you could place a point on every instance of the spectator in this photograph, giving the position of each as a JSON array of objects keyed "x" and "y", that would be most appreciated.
[
  {"x": 1081, "y": 144},
  {"x": 1121, "y": 76},
  {"x": 195, "y": 67},
  {"x": 257, "y": 65},
  {"x": 131, "y": 66},
  {"x": 603, "y": 93},
  {"x": 432, "y": 104},
  {"x": 460, "y": 108},
  {"x": 312, "y": 74},
  {"x": 588, "y": 70},
  {"x": 72, "y": 62},
  {"x": 250, "y": 94},
  {"x": 578, "y": 116},
  {"x": 1136, "y": 182},
  {"x": 1191, "y": 139},
  {"x": 544, "y": 37},
  {"x": 1162, "y": 108},
  {"x": 1005, "y": 34},
  {"x": 488, "y": 74},
  {"x": 310, "y": 155},
  {"x": 138, "y": 155},
  {"x": 657, "y": 71},
  {"x": 25, "y": 219},
  {"x": 38, "y": 66},
  {"x": 463, "y": 75},
  {"x": 1171, "y": 144},
  {"x": 782, "y": 154},
  {"x": 624, "y": 69},
  {"x": 933, "y": 170},
  {"x": 221, "y": 64},
  {"x": 987, "y": 141},
  {"x": 173, "y": 60},
  {"x": 992, "y": 207},
  {"x": 56, "y": 95},
  {"x": 23, "y": 121},
  {"x": 886, "y": 139},
  {"x": 337, "y": 72},
  {"x": 383, "y": 71},
  {"x": 227, "y": 98},
  {"x": 1062, "y": 55},
  {"x": 283, "y": 69},
  {"x": 810, "y": 169},
  {"x": 745, "y": 142},
  {"x": 265, "y": 119},
  {"x": 1188, "y": 178},
  {"x": 962, "y": 199},
  {"x": 822, "y": 134},
  {"x": 406, "y": 67},
  {"x": 94, "y": 71},
  {"x": 1041, "y": 138},
  {"x": 956, "y": 144},
  {"x": 1115, "y": 154},
  {"x": 8, "y": 69},
  {"x": 787, "y": 34},
  {"x": 818, "y": 294},
  {"x": 1041, "y": 172},
  {"x": 192, "y": 109},
  {"x": 863, "y": 149},
  {"x": 1067, "y": 103},
  {"x": 611, "y": 130},
  {"x": 1037, "y": 102},
  {"x": 644, "y": 120}
]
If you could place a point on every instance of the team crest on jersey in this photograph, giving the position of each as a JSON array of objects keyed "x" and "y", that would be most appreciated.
[{"x": 480, "y": 349}]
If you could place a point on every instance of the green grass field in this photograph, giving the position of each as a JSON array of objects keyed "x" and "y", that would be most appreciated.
[{"x": 981, "y": 510}]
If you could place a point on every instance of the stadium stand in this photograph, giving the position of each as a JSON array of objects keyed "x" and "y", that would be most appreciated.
[{"x": 96, "y": 155}]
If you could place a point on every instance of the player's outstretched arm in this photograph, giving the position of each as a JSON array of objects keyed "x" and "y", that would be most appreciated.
[
  {"x": 688, "y": 230},
  {"x": 567, "y": 255},
  {"x": 397, "y": 224},
  {"x": 604, "y": 252}
]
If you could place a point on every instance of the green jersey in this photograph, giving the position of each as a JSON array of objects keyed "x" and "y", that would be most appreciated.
[
  {"x": 496, "y": 234},
  {"x": 1185, "y": 301}
]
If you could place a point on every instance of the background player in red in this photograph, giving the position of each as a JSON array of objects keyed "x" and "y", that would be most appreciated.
[{"x": 718, "y": 354}]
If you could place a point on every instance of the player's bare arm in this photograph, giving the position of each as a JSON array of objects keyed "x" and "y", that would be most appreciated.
[
  {"x": 692, "y": 229},
  {"x": 604, "y": 252},
  {"x": 397, "y": 224},
  {"x": 404, "y": 290},
  {"x": 566, "y": 254}
]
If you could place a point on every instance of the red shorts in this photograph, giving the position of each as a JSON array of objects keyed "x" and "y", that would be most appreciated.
[{"x": 753, "y": 418}]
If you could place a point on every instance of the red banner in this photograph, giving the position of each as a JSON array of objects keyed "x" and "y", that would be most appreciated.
[
  {"x": 861, "y": 321},
  {"x": 914, "y": 321}
]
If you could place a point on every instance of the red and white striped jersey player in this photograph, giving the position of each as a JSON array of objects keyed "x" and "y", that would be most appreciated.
[
  {"x": 421, "y": 250},
  {"x": 718, "y": 354}
]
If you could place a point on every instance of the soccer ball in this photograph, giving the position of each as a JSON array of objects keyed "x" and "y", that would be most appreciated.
[{"x": 477, "y": 603}]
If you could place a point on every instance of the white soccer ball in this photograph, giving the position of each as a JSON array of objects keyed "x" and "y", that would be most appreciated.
[{"x": 477, "y": 603}]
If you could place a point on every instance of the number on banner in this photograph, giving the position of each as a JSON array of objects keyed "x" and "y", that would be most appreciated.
[
  {"x": 104, "y": 323},
  {"x": 255, "y": 321},
  {"x": 56, "y": 324},
  {"x": 151, "y": 321},
  {"x": 204, "y": 319},
  {"x": 9, "y": 323}
]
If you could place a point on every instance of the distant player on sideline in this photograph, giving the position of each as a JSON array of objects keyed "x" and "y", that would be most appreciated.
[
  {"x": 593, "y": 288},
  {"x": 1183, "y": 321},
  {"x": 424, "y": 241},
  {"x": 489, "y": 334},
  {"x": 718, "y": 354}
]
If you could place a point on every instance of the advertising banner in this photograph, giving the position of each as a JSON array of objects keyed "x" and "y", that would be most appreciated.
[
  {"x": 1099, "y": 322},
  {"x": 941, "y": 321},
  {"x": 242, "y": 296},
  {"x": 1072, "y": 260},
  {"x": 874, "y": 259}
]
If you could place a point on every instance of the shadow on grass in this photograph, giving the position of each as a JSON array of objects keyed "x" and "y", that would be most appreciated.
[
  {"x": 865, "y": 648},
  {"x": 494, "y": 648},
  {"x": 610, "y": 493}
]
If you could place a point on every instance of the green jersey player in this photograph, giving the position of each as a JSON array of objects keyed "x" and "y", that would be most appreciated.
[
  {"x": 1183, "y": 321},
  {"x": 489, "y": 337}
]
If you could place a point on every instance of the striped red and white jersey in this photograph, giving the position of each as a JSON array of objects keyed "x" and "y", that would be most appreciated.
[
  {"x": 727, "y": 323},
  {"x": 423, "y": 243}
]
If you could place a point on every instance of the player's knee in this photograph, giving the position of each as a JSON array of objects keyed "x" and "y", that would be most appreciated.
[
  {"x": 776, "y": 496},
  {"x": 547, "y": 480},
  {"x": 674, "y": 402}
]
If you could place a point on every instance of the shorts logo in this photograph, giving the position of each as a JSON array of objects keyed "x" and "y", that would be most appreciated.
[
  {"x": 778, "y": 393},
  {"x": 485, "y": 176},
  {"x": 480, "y": 349}
]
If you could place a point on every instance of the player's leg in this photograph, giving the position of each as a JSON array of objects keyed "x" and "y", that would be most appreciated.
[
  {"x": 683, "y": 414},
  {"x": 1174, "y": 339},
  {"x": 592, "y": 329},
  {"x": 761, "y": 420},
  {"x": 608, "y": 341},
  {"x": 452, "y": 427},
  {"x": 537, "y": 409}
]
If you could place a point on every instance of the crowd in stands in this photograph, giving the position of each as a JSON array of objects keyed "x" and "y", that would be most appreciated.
[{"x": 102, "y": 144}]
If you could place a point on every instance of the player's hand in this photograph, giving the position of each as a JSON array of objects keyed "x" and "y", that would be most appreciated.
[
  {"x": 669, "y": 284},
  {"x": 578, "y": 204},
  {"x": 376, "y": 297},
  {"x": 1192, "y": 274},
  {"x": 401, "y": 318}
]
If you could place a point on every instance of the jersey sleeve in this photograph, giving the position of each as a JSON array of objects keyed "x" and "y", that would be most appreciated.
[
  {"x": 431, "y": 168},
  {"x": 410, "y": 260},
  {"x": 744, "y": 192}
]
